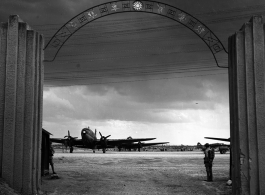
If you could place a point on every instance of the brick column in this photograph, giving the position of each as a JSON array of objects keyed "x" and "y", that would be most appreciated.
[
  {"x": 247, "y": 107},
  {"x": 21, "y": 81}
]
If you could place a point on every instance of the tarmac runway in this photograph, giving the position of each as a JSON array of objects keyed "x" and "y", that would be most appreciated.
[{"x": 120, "y": 173}]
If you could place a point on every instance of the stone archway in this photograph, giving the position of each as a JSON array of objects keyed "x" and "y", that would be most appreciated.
[{"x": 23, "y": 58}]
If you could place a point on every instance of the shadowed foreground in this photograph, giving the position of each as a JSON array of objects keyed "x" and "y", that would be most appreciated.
[{"x": 136, "y": 173}]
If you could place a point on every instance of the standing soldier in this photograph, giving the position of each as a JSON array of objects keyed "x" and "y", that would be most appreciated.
[
  {"x": 51, "y": 152},
  {"x": 208, "y": 161}
]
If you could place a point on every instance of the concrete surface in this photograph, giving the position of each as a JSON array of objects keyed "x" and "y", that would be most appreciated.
[{"x": 21, "y": 54}]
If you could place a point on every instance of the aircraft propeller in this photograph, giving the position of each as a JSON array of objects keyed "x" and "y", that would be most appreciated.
[
  {"x": 69, "y": 141},
  {"x": 104, "y": 141},
  {"x": 69, "y": 136}
]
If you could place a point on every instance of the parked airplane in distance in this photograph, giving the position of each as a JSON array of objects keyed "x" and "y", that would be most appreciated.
[
  {"x": 223, "y": 148},
  {"x": 89, "y": 140},
  {"x": 131, "y": 145}
]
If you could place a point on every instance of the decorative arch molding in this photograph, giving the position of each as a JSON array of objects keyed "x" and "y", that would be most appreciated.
[{"x": 154, "y": 7}]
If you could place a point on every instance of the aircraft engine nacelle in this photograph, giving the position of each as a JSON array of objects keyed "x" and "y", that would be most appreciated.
[
  {"x": 69, "y": 141},
  {"x": 104, "y": 142},
  {"x": 223, "y": 149}
]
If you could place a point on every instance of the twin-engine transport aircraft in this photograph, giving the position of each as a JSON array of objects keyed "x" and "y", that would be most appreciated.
[
  {"x": 131, "y": 145},
  {"x": 223, "y": 148},
  {"x": 89, "y": 140}
]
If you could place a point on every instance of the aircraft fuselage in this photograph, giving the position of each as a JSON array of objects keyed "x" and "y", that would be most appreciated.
[{"x": 89, "y": 138}]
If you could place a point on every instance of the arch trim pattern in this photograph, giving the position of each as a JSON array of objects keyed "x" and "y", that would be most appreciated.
[{"x": 73, "y": 25}]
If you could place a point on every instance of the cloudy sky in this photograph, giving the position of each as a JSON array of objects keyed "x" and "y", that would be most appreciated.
[{"x": 136, "y": 74}]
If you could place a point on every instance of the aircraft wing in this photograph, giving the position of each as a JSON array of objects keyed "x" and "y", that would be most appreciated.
[
  {"x": 113, "y": 142},
  {"x": 97, "y": 147},
  {"x": 215, "y": 145},
  {"x": 75, "y": 142},
  {"x": 220, "y": 139},
  {"x": 147, "y": 144},
  {"x": 57, "y": 140}
]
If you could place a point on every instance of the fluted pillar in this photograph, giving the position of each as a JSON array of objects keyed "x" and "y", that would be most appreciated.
[
  {"x": 247, "y": 107},
  {"x": 21, "y": 81}
]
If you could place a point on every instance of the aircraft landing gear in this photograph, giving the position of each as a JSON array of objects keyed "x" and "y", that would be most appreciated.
[
  {"x": 104, "y": 150},
  {"x": 71, "y": 149}
]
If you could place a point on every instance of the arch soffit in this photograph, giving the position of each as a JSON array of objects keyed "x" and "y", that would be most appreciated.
[{"x": 154, "y": 7}]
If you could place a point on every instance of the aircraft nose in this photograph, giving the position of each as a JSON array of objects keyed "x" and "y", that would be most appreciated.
[{"x": 84, "y": 135}]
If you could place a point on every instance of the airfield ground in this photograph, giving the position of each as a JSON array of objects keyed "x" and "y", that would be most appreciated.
[{"x": 136, "y": 173}]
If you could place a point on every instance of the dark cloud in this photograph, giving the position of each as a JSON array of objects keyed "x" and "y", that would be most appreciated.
[
  {"x": 140, "y": 101},
  {"x": 169, "y": 91},
  {"x": 38, "y": 12}
]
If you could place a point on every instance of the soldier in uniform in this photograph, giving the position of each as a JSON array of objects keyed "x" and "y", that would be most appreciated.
[
  {"x": 208, "y": 161},
  {"x": 51, "y": 152}
]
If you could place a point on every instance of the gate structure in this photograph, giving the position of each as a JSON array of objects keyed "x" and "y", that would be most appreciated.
[
  {"x": 247, "y": 107},
  {"x": 21, "y": 88},
  {"x": 21, "y": 81}
]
